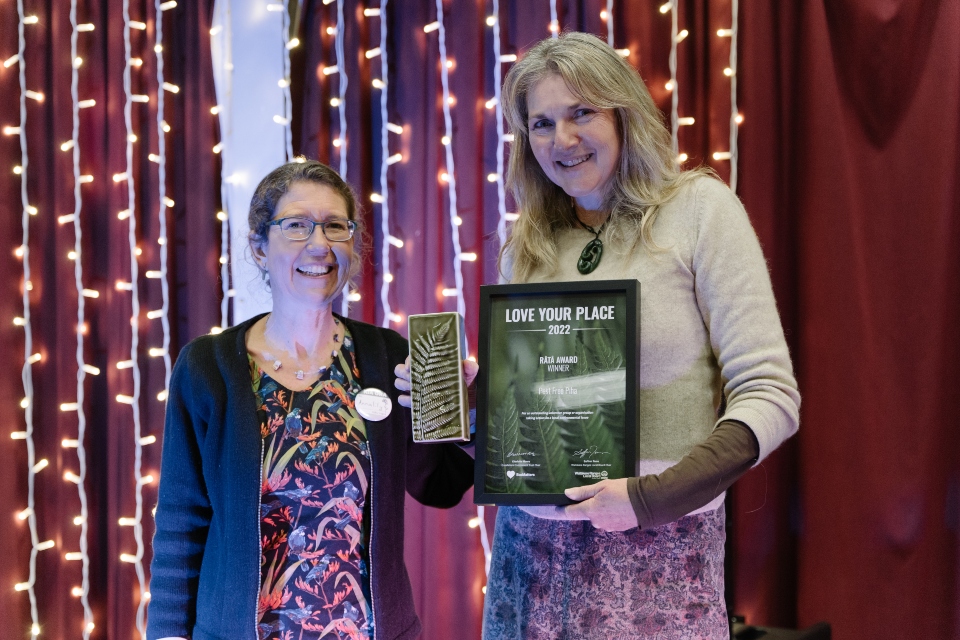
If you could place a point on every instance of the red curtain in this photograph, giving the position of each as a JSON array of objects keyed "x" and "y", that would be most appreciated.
[
  {"x": 850, "y": 172},
  {"x": 848, "y": 165}
]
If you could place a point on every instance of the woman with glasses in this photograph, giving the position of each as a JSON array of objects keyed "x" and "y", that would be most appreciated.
[{"x": 285, "y": 454}]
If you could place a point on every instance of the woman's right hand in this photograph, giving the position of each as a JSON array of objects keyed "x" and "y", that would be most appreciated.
[{"x": 402, "y": 371}]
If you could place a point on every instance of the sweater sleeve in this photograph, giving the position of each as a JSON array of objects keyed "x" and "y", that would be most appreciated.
[
  {"x": 183, "y": 510},
  {"x": 702, "y": 475},
  {"x": 736, "y": 302}
]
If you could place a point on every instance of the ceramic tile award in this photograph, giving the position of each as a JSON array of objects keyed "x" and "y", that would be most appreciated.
[{"x": 438, "y": 397}]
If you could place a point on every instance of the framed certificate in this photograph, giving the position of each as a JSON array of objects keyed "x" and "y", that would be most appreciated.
[{"x": 558, "y": 387}]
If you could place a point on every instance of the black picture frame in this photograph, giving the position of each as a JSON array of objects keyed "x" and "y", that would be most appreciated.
[{"x": 501, "y": 383}]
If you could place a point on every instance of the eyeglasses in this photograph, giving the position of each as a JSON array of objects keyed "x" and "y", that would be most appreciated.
[{"x": 335, "y": 230}]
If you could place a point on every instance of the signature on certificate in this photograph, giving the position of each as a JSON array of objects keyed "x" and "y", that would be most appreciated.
[{"x": 589, "y": 451}]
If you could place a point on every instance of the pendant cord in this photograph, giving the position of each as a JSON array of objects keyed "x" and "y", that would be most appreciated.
[{"x": 590, "y": 229}]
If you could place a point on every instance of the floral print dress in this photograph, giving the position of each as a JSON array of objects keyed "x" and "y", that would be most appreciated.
[{"x": 313, "y": 533}]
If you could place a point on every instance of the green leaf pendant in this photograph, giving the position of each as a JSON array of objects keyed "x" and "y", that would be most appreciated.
[{"x": 590, "y": 256}]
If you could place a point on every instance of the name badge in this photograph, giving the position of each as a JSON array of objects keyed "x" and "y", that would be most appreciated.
[{"x": 373, "y": 404}]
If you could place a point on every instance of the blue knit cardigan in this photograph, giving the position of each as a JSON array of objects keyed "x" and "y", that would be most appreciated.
[{"x": 206, "y": 564}]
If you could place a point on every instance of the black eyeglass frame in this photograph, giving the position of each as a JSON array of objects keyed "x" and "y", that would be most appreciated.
[{"x": 351, "y": 226}]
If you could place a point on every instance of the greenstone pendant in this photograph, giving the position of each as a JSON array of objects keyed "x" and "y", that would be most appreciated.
[{"x": 590, "y": 256}]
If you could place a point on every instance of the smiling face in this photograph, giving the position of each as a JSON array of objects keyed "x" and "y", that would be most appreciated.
[
  {"x": 575, "y": 143},
  {"x": 312, "y": 272}
]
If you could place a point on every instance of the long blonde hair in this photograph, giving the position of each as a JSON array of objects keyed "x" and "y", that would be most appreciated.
[{"x": 648, "y": 175}]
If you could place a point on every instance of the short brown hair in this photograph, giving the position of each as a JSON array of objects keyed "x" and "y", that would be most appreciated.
[{"x": 277, "y": 183}]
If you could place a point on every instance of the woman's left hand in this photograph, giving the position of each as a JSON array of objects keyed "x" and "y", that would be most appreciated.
[{"x": 605, "y": 504}]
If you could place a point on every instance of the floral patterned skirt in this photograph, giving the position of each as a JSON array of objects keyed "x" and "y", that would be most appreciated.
[{"x": 555, "y": 579}]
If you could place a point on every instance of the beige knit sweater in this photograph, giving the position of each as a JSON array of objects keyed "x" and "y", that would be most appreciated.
[{"x": 709, "y": 326}]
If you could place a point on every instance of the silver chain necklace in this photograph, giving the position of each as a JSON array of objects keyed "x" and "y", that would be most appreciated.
[{"x": 300, "y": 373}]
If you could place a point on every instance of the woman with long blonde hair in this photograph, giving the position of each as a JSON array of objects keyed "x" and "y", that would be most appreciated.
[{"x": 600, "y": 196}]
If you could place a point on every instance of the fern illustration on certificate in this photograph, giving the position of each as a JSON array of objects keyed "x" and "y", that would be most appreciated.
[{"x": 557, "y": 392}]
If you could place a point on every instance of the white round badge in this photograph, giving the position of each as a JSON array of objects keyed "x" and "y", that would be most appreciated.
[{"x": 373, "y": 404}]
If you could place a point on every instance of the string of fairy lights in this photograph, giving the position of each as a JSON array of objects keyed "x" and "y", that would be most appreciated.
[
  {"x": 493, "y": 21},
  {"x": 607, "y": 16},
  {"x": 221, "y": 41},
  {"x": 129, "y": 215},
  {"x": 671, "y": 85},
  {"x": 448, "y": 176},
  {"x": 386, "y": 159},
  {"x": 29, "y": 358},
  {"x": 286, "y": 118},
  {"x": 164, "y": 311},
  {"x": 82, "y": 367},
  {"x": 133, "y": 364},
  {"x": 340, "y": 104},
  {"x": 735, "y": 116},
  {"x": 341, "y": 142},
  {"x": 676, "y": 120}
]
